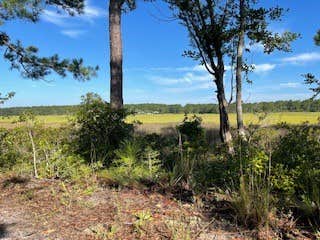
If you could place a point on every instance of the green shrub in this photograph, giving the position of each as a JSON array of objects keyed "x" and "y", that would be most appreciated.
[
  {"x": 54, "y": 158},
  {"x": 100, "y": 129},
  {"x": 134, "y": 165},
  {"x": 15, "y": 149},
  {"x": 251, "y": 196},
  {"x": 191, "y": 131},
  {"x": 297, "y": 156},
  {"x": 65, "y": 167},
  {"x": 166, "y": 146}
]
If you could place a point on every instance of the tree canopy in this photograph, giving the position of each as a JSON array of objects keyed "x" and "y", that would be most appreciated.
[{"x": 26, "y": 59}]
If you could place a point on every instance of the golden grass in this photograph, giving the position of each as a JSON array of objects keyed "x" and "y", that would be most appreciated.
[
  {"x": 272, "y": 118},
  {"x": 172, "y": 119}
]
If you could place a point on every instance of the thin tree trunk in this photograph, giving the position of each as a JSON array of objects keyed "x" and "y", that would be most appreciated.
[
  {"x": 240, "y": 48},
  {"x": 225, "y": 133},
  {"x": 116, "y": 92},
  {"x": 35, "y": 170}
]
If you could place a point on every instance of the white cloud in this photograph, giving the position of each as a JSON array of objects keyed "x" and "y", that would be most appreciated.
[
  {"x": 91, "y": 12},
  {"x": 187, "y": 78},
  {"x": 290, "y": 85},
  {"x": 73, "y": 33},
  {"x": 201, "y": 86},
  {"x": 265, "y": 67},
  {"x": 302, "y": 58},
  {"x": 61, "y": 19},
  {"x": 54, "y": 17}
]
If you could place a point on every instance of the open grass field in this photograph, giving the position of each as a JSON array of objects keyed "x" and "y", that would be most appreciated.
[
  {"x": 172, "y": 119},
  {"x": 272, "y": 118}
]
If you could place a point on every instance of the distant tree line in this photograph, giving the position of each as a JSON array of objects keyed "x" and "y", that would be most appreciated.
[{"x": 278, "y": 106}]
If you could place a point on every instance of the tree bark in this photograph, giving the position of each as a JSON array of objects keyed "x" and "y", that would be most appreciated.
[
  {"x": 240, "y": 48},
  {"x": 225, "y": 133},
  {"x": 116, "y": 74}
]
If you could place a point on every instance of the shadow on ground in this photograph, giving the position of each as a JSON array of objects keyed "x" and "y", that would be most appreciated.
[
  {"x": 15, "y": 180},
  {"x": 3, "y": 230}
]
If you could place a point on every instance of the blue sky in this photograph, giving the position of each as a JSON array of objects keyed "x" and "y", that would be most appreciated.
[{"x": 154, "y": 69}]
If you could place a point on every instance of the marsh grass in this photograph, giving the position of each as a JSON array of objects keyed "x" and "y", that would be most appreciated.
[{"x": 156, "y": 122}]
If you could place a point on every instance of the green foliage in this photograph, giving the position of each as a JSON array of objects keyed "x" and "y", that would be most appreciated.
[
  {"x": 6, "y": 97},
  {"x": 31, "y": 9},
  {"x": 64, "y": 166},
  {"x": 133, "y": 165},
  {"x": 314, "y": 84},
  {"x": 192, "y": 150},
  {"x": 100, "y": 129},
  {"x": 164, "y": 145},
  {"x": 250, "y": 178},
  {"x": 310, "y": 79},
  {"x": 9, "y": 142},
  {"x": 26, "y": 59},
  {"x": 54, "y": 158},
  {"x": 297, "y": 157},
  {"x": 212, "y": 28},
  {"x": 251, "y": 202},
  {"x": 191, "y": 131},
  {"x": 317, "y": 38}
]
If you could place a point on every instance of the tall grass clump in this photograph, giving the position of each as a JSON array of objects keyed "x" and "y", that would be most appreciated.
[{"x": 252, "y": 200}]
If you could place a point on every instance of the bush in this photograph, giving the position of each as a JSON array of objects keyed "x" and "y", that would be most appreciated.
[
  {"x": 53, "y": 155},
  {"x": 134, "y": 165},
  {"x": 100, "y": 129},
  {"x": 298, "y": 160},
  {"x": 65, "y": 167},
  {"x": 192, "y": 152}
]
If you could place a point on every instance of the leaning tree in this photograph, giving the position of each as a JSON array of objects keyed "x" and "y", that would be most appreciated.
[
  {"x": 214, "y": 27},
  {"x": 211, "y": 28},
  {"x": 26, "y": 59},
  {"x": 253, "y": 23}
]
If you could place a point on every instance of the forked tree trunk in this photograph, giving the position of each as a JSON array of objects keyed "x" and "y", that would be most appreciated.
[
  {"x": 225, "y": 132},
  {"x": 116, "y": 92},
  {"x": 240, "y": 48}
]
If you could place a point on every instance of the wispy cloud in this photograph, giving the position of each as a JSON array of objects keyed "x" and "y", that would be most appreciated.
[
  {"x": 302, "y": 58},
  {"x": 54, "y": 18},
  {"x": 64, "y": 20},
  {"x": 290, "y": 85},
  {"x": 91, "y": 12},
  {"x": 262, "y": 68},
  {"x": 187, "y": 78},
  {"x": 73, "y": 33},
  {"x": 195, "y": 87}
]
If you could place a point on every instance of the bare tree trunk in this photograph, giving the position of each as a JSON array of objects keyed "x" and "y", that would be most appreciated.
[
  {"x": 225, "y": 133},
  {"x": 240, "y": 48},
  {"x": 116, "y": 91},
  {"x": 35, "y": 170}
]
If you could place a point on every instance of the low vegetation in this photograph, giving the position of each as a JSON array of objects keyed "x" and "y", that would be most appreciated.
[
  {"x": 152, "y": 122},
  {"x": 270, "y": 182}
]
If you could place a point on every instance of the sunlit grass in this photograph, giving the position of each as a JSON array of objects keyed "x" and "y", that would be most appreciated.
[{"x": 271, "y": 118}]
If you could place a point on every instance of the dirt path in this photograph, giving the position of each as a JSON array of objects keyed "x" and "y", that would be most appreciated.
[{"x": 41, "y": 210}]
